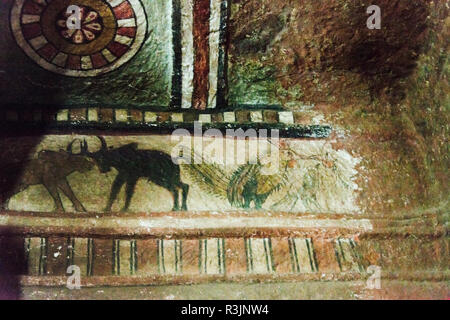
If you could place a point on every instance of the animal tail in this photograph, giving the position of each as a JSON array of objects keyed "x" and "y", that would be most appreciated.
[
  {"x": 239, "y": 181},
  {"x": 209, "y": 176}
]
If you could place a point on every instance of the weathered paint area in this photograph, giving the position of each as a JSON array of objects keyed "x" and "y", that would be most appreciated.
[
  {"x": 187, "y": 44},
  {"x": 214, "y": 39},
  {"x": 201, "y": 17}
]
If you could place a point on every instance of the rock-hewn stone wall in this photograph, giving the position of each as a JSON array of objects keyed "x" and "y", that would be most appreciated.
[{"x": 386, "y": 89}]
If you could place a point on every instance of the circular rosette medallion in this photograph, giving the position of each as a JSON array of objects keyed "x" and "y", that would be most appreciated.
[{"x": 79, "y": 38}]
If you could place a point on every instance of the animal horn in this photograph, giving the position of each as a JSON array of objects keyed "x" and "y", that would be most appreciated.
[
  {"x": 84, "y": 147},
  {"x": 104, "y": 145},
  {"x": 70, "y": 145}
]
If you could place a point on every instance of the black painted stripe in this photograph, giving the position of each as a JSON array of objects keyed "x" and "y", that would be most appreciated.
[
  {"x": 90, "y": 257},
  {"x": 205, "y": 256},
  {"x": 177, "y": 248},
  {"x": 27, "y": 250},
  {"x": 249, "y": 251},
  {"x": 269, "y": 255},
  {"x": 341, "y": 250},
  {"x": 131, "y": 257},
  {"x": 181, "y": 256},
  {"x": 357, "y": 255},
  {"x": 272, "y": 260},
  {"x": 310, "y": 255},
  {"x": 247, "y": 254},
  {"x": 292, "y": 256},
  {"x": 118, "y": 257},
  {"x": 161, "y": 256},
  {"x": 294, "y": 246},
  {"x": 46, "y": 254},
  {"x": 158, "y": 255},
  {"x": 222, "y": 80},
  {"x": 316, "y": 265},
  {"x": 113, "y": 254},
  {"x": 135, "y": 255},
  {"x": 219, "y": 262},
  {"x": 285, "y": 131},
  {"x": 177, "y": 55},
  {"x": 337, "y": 255},
  {"x": 200, "y": 256},
  {"x": 43, "y": 257},
  {"x": 224, "y": 271}
]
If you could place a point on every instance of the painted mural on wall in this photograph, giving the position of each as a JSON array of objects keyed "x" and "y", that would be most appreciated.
[
  {"x": 138, "y": 174},
  {"x": 106, "y": 38},
  {"x": 120, "y": 53},
  {"x": 139, "y": 53}
]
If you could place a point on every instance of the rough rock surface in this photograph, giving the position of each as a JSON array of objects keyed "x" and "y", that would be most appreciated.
[{"x": 386, "y": 89}]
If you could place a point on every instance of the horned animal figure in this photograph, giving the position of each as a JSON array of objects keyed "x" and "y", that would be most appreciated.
[
  {"x": 133, "y": 164},
  {"x": 51, "y": 169}
]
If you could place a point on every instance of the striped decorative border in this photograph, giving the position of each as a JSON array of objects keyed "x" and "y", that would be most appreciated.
[
  {"x": 288, "y": 122},
  {"x": 213, "y": 256},
  {"x": 347, "y": 254},
  {"x": 302, "y": 255},
  {"x": 200, "y": 46},
  {"x": 208, "y": 261},
  {"x": 123, "y": 258},
  {"x": 48, "y": 57}
]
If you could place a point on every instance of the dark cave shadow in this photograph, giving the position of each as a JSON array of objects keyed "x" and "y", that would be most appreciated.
[
  {"x": 13, "y": 265},
  {"x": 13, "y": 262}
]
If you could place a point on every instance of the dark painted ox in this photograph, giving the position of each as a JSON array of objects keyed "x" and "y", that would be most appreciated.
[
  {"x": 51, "y": 169},
  {"x": 133, "y": 164}
]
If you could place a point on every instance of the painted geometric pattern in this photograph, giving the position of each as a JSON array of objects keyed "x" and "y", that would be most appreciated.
[
  {"x": 110, "y": 33},
  {"x": 109, "y": 115},
  {"x": 90, "y": 171},
  {"x": 214, "y": 256}
]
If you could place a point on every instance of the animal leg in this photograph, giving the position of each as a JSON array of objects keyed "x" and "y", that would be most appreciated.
[
  {"x": 65, "y": 187},
  {"x": 175, "y": 193},
  {"x": 53, "y": 190},
  {"x": 258, "y": 203},
  {"x": 117, "y": 184},
  {"x": 131, "y": 184},
  {"x": 247, "y": 202},
  {"x": 185, "y": 189}
]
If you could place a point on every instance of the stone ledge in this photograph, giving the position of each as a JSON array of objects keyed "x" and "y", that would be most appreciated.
[
  {"x": 113, "y": 251},
  {"x": 211, "y": 224},
  {"x": 179, "y": 224},
  {"x": 115, "y": 281},
  {"x": 279, "y": 290}
]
